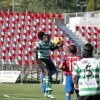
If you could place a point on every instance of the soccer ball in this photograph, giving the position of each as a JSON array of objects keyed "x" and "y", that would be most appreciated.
[{"x": 57, "y": 40}]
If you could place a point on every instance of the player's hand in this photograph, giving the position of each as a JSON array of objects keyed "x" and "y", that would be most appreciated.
[
  {"x": 76, "y": 87},
  {"x": 61, "y": 44},
  {"x": 35, "y": 49}
]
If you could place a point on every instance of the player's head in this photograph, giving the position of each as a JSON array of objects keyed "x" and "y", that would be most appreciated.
[
  {"x": 40, "y": 35},
  {"x": 73, "y": 49},
  {"x": 46, "y": 38},
  {"x": 87, "y": 50}
]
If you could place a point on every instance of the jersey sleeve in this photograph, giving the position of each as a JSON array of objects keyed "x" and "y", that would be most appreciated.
[
  {"x": 63, "y": 61},
  {"x": 36, "y": 45},
  {"x": 52, "y": 44},
  {"x": 76, "y": 69}
]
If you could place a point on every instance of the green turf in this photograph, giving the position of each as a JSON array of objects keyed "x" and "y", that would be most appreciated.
[{"x": 29, "y": 92}]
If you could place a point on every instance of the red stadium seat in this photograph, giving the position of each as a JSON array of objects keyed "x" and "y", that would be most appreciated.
[
  {"x": 96, "y": 34},
  {"x": 96, "y": 28},
  {"x": 84, "y": 27},
  {"x": 52, "y": 35},
  {"x": 11, "y": 58},
  {"x": 60, "y": 16},
  {"x": 30, "y": 14},
  {"x": 34, "y": 63},
  {"x": 27, "y": 62},
  {"x": 63, "y": 35},
  {"x": 96, "y": 46},
  {"x": 43, "y": 15},
  {"x": 83, "y": 34},
  {"x": 48, "y": 15},
  {"x": 69, "y": 42},
  {"x": 54, "y": 56},
  {"x": 60, "y": 56},
  {"x": 96, "y": 40},
  {"x": 51, "y": 58},
  {"x": 37, "y": 15},
  {"x": 51, "y": 23},
  {"x": 90, "y": 40},
  {"x": 57, "y": 29},
  {"x": 18, "y": 13},
  {"x": 54, "y": 15},
  {"x": 90, "y": 33},
  {"x": 90, "y": 28},
  {"x": 57, "y": 35},
  {"x": 28, "y": 55},
  {"x": 22, "y": 49},
  {"x": 21, "y": 62},
  {"x": 21, "y": 56},
  {"x": 77, "y": 28}
]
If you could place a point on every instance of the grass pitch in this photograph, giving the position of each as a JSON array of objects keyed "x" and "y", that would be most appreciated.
[{"x": 29, "y": 92}]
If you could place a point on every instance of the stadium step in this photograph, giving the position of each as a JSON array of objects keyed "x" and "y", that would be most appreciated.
[{"x": 75, "y": 39}]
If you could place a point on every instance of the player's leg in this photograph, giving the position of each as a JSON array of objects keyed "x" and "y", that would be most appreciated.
[
  {"x": 77, "y": 94},
  {"x": 45, "y": 70},
  {"x": 43, "y": 84},
  {"x": 69, "y": 87},
  {"x": 77, "y": 91},
  {"x": 52, "y": 69},
  {"x": 64, "y": 80}
]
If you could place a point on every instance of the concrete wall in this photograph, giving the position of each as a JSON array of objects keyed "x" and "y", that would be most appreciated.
[{"x": 81, "y": 21}]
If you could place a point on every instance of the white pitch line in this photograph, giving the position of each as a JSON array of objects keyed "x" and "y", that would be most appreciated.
[
  {"x": 9, "y": 97},
  {"x": 6, "y": 95}
]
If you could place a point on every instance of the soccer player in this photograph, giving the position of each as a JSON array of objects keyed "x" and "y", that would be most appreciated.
[
  {"x": 67, "y": 64},
  {"x": 42, "y": 49},
  {"x": 88, "y": 70}
]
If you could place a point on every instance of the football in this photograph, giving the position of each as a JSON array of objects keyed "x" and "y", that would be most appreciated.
[{"x": 57, "y": 40}]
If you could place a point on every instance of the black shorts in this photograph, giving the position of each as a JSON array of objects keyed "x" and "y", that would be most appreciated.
[
  {"x": 46, "y": 63},
  {"x": 95, "y": 97}
]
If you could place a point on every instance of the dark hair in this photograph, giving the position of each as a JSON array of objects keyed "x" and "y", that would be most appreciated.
[
  {"x": 47, "y": 35},
  {"x": 87, "y": 50},
  {"x": 73, "y": 49},
  {"x": 40, "y": 35}
]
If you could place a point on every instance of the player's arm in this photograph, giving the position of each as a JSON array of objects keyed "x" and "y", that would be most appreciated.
[
  {"x": 74, "y": 76},
  {"x": 36, "y": 47},
  {"x": 54, "y": 47},
  {"x": 61, "y": 66}
]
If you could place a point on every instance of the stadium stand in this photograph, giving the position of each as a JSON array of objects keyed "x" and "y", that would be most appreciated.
[
  {"x": 92, "y": 35},
  {"x": 18, "y": 34}
]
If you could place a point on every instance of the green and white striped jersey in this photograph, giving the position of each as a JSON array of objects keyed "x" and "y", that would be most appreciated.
[
  {"x": 88, "y": 70},
  {"x": 44, "y": 51}
]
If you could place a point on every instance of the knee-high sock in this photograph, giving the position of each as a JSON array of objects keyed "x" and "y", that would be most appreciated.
[
  {"x": 47, "y": 81},
  {"x": 43, "y": 83},
  {"x": 77, "y": 93},
  {"x": 67, "y": 98},
  {"x": 49, "y": 92}
]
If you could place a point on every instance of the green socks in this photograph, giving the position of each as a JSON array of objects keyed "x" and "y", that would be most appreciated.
[{"x": 47, "y": 81}]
